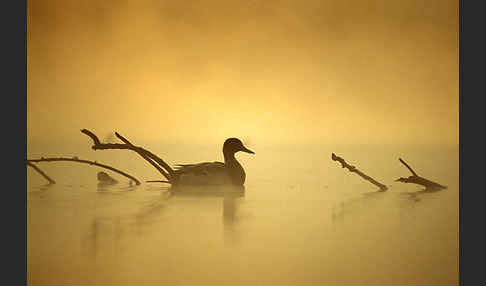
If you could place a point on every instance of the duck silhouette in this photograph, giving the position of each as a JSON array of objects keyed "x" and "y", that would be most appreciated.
[
  {"x": 207, "y": 173},
  {"x": 214, "y": 173}
]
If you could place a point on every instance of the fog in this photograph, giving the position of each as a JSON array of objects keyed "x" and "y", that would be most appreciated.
[
  {"x": 201, "y": 71},
  {"x": 371, "y": 81}
]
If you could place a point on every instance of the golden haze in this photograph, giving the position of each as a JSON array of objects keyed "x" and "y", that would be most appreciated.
[{"x": 272, "y": 71}]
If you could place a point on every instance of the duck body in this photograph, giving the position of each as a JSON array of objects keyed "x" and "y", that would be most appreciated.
[{"x": 215, "y": 173}]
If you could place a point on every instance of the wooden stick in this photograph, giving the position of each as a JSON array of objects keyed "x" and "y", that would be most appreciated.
[
  {"x": 408, "y": 167},
  {"x": 168, "y": 173},
  {"x": 416, "y": 179},
  {"x": 51, "y": 181},
  {"x": 149, "y": 154},
  {"x": 75, "y": 159},
  {"x": 105, "y": 179},
  {"x": 354, "y": 170}
]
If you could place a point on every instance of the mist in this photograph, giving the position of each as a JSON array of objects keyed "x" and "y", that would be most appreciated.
[
  {"x": 296, "y": 81},
  {"x": 285, "y": 72}
]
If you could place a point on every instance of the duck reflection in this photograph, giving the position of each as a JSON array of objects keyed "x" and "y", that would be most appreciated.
[
  {"x": 232, "y": 197},
  {"x": 231, "y": 203},
  {"x": 105, "y": 231}
]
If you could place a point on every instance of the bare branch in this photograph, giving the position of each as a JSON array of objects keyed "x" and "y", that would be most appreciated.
[
  {"x": 148, "y": 154},
  {"x": 123, "y": 139},
  {"x": 51, "y": 181},
  {"x": 96, "y": 141},
  {"x": 408, "y": 167},
  {"x": 166, "y": 170},
  {"x": 354, "y": 170},
  {"x": 75, "y": 159},
  {"x": 416, "y": 179}
]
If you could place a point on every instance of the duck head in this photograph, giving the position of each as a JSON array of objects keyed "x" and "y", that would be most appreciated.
[{"x": 233, "y": 145}]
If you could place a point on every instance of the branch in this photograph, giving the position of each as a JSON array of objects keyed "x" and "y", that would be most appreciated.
[
  {"x": 157, "y": 181},
  {"x": 75, "y": 159},
  {"x": 416, "y": 179},
  {"x": 168, "y": 173},
  {"x": 149, "y": 154},
  {"x": 91, "y": 134},
  {"x": 354, "y": 170},
  {"x": 408, "y": 167},
  {"x": 51, "y": 181}
]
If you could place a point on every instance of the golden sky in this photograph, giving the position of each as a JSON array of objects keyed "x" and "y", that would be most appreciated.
[{"x": 274, "y": 71}]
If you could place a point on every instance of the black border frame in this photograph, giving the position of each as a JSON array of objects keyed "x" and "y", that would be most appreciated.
[
  {"x": 14, "y": 117},
  {"x": 471, "y": 62},
  {"x": 470, "y": 83}
]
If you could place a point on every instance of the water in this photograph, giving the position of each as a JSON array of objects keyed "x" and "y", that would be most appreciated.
[{"x": 301, "y": 220}]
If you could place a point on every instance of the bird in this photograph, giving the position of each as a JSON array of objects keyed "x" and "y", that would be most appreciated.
[{"x": 215, "y": 173}]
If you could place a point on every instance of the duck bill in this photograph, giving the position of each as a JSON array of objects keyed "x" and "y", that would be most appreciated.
[{"x": 247, "y": 150}]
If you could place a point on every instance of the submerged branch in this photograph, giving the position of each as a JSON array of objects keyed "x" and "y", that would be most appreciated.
[
  {"x": 166, "y": 170},
  {"x": 75, "y": 159},
  {"x": 158, "y": 181},
  {"x": 416, "y": 179},
  {"x": 51, "y": 181},
  {"x": 354, "y": 170}
]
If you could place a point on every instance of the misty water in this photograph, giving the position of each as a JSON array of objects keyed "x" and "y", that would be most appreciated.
[{"x": 301, "y": 220}]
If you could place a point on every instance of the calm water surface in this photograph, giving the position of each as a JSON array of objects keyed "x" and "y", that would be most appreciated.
[{"x": 301, "y": 220}]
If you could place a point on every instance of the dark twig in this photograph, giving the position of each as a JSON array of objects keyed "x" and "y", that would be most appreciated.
[
  {"x": 416, "y": 179},
  {"x": 166, "y": 170},
  {"x": 51, "y": 181},
  {"x": 149, "y": 154},
  {"x": 74, "y": 159},
  {"x": 354, "y": 170},
  {"x": 158, "y": 181},
  {"x": 408, "y": 167}
]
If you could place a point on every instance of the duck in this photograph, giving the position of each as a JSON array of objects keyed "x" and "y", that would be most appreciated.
[{"x": 229, "y": 172}]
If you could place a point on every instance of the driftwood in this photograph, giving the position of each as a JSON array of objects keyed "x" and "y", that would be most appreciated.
[
  {"x": 362, "y": 175},
  {"x": 416, "y": 179},
  {"x": 153, "y": 159},
  {"x": 158, "y": 181},
  {"x": 75, "y": 159},
  {"x": 105, "y": 179},
  {"x": 51, "y": 181}
]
